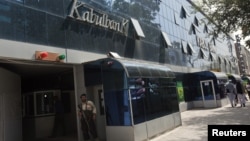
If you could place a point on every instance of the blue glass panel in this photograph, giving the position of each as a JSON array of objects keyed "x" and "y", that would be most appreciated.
[
  {"x": 39, "y": 4},
  {"x": 35, "y": 26},
  {"x": 117, "y": 108},
  {"x": 17, "y": 1},
  {"x": 54, "y": 7},
  {"x": 12, "y": 21},
  {"x": 56, "y": 31},
  {"x": 152, "y": 98},
  {"x": 51, "y": 6}
]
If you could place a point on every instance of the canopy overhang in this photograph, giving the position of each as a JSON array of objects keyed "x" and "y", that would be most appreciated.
[
  {"x": 135, "y": 68},
  {"x": 219, "y": 75}
]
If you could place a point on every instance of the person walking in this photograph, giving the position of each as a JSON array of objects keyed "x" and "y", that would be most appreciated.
[
  {"x": 248, "y": 89},
  {"x": 87, "y": 113},
  {"x": 231, "y": 92},
  {"x": 240, "y": 93}
]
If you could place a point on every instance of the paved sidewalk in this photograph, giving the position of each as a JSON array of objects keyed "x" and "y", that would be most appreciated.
[{"x": 195, "y": 122}]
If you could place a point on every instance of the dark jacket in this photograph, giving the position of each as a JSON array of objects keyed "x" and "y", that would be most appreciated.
[{"x": 239, "y": 88}]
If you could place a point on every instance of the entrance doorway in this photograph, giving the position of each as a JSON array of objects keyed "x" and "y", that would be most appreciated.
[
  {"x": 208, "y": 94},
  {"x": 35, "y": 111},
  {"x": 96, "y": 94}
]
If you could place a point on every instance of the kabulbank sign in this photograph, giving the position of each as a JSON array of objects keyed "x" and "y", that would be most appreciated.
[{"x": 80, "y": 11}]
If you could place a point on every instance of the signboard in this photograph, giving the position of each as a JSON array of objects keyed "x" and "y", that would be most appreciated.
[
  {"x": 81, "y": 12},
  {"x": 180, "y": 91}
]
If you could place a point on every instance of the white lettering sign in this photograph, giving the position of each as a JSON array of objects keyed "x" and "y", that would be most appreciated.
[
  {"x": 82, "y": 12},
  {"x": 216, "y": 132}
]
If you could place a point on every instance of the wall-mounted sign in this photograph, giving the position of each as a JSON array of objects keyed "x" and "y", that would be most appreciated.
[
  {"x": 49, "y": 56},
  {"x": 80, "y": 11}
]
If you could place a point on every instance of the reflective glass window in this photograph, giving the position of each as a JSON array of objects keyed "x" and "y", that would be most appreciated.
[
  {"x": 41, "y": 103},
  {"x": 171, "y": 14},
  {"x": 171, "y": 28},
  {"x": 137, "y": 91},
  {"x": 18, "y": 1},
  {"x": 12, "y": 20},
  {"x": 39, "y": 4},
  {"x": 181, "y": 33},
  {"x": 51, "y": 6},
  {"x": 44, "y": 103},
  {"x": 56, "y": 31},
  {"x": 144, "y": 71},
  {"x": 163, "y": 11},
  {"x": 203, "y": 54},
  {"x": 149, "y": 52},
  {"x": 176, "y": 31},
  {"x": 73, "y": 34},
  {"x": 115, "y": 78},
  {"x": 55, "y": 7},
  {"x": 100, "y": 4},
  {"x": 117, "y": 108},
  {"x": 152, "y": 98},
  {"x": 176, "y": 18},
  {"x": 162, "y": 23},
  {"x": 168, "y": 13},
  {"x": 35, "y": 26}
]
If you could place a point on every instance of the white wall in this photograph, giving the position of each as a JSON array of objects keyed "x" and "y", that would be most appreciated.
[
  {"x": 26, "y": 51},
  {"x": 79, "y": 89},
  {"x": 10, "y": 106}
]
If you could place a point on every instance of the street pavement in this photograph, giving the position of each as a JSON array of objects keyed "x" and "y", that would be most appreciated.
[{"x": 195, "y": 122}]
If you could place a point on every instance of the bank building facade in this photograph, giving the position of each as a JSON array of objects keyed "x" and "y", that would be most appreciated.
[{"x": 142, "y": 62}]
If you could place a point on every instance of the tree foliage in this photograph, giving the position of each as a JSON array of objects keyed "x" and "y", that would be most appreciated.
[
  {"x": 144, "y": 10},
  {"x": 228, "y": 15}
]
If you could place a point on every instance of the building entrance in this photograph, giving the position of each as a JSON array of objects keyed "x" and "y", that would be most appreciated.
[
  {"x": 208, "y": 93},
  {"x": 96, "y": 94},
  {"x": 26, "y": 100},
  {"x": 132, "y": 98}
]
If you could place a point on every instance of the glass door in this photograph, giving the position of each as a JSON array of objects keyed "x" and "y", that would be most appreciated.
[
  {"x": 96, "y": 93},
  {"x": 208, "y": 93}
]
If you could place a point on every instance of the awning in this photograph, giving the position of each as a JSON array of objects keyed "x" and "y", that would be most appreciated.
[
  {"x": 245, "y": 78},
  {"x": 212, "y": 56},
  {"x": 138, "y": 28},
  {"x": 166, "y": 39},
  {"x": 220, "y": 75},
  {"x": 234, "y": 77},
  {"x": 133, "y": 68},
  {"x": 211, "y": 74},
  {"x": 184, "y": 47},
  {"x": 191, "y": 49},
  {"x": 202, "y": 53}
]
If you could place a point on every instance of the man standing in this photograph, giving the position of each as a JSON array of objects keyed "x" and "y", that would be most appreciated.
[
  {"x": 87, "y": 113},
  {"x": 231, "y": 92}
]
